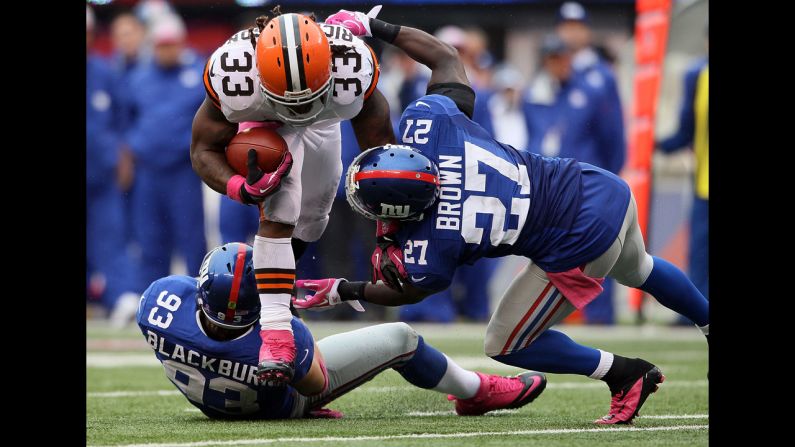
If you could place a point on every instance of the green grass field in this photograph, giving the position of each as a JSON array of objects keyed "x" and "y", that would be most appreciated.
[{"x": 130, "y": 401}]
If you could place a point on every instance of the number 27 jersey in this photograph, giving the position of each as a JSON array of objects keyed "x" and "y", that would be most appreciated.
[
  {"x": 497, "y": 201},
  {"x": 231, "y": 77}
]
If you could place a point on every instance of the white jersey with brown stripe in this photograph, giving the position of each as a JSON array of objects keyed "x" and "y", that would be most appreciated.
[{"x": 234, "y": 78}]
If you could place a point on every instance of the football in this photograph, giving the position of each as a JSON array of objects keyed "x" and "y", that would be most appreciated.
[{"x": 270, "y": 147}]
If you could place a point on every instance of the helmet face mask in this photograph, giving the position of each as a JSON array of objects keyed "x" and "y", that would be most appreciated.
[
  {"x": 227, "y": 291},
  {"x": 392, "y": 182},
  {"x": 303, "y": 111},
  {"x": 351, "y": 187}
]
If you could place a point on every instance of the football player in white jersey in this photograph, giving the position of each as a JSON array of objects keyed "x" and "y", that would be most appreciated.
[{"x": 301, "y": 78}]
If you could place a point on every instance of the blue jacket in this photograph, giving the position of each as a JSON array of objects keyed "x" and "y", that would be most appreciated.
[
  {"x": 581, "y": 119},
  {"x": 101, "y": 137},
  {"x": 163, "y": 103},
  {"x": 124, "y": 71},
  {"x": 684, "y": 135}
]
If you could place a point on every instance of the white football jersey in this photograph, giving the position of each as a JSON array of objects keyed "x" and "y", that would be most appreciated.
[{"x": 232, "y": 83}]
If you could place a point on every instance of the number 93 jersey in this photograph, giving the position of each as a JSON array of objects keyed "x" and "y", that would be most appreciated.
[
  {"x": 218, "y": 377},
  {"x": 497, "y": 201},
  {"x": 231, "y": 78}
]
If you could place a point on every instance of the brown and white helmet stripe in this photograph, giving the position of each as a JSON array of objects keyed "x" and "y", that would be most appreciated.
[{"x": 293, "y": 58}]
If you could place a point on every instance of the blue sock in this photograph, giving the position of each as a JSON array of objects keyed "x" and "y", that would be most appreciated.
[
  {"x": 426, "y": 368},
  {"x": 554, "y": 352},
  {"x": 674, "y": 290}
]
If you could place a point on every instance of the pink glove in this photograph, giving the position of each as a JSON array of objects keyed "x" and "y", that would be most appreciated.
[
  {"x": 325, "y": 413},
  {"x": 257, "y": 185},
  {"x": 387, "y": 263},
  {"x": 356, "y": 22},
  {"x": 276, "y": 357},
  {"x": 326, "y": 295}
]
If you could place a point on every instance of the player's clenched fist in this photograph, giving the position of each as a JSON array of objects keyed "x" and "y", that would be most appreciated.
[
  {"x": 387, "y": 263},
  {"x": 356, "y": 22},
  {"x": 257, "y": 185}
]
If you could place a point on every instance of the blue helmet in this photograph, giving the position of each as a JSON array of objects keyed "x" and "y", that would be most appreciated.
[
  {"x": 227, "y": 287},
  {"x": 392, "y": 182}
]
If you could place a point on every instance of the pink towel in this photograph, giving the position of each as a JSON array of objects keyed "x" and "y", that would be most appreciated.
[
  {"x": 577, "y": 287},
  {"x": 246, "y": 125}
]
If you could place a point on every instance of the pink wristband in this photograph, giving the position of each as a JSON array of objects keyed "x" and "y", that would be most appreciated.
[{"x": 233, "y": 187}]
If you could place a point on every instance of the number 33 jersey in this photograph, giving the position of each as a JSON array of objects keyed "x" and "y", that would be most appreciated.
[
  {"x": 218, "y": 377},
  {"x": 232, "y": 83},
  {"x": 497, "y": 201}
]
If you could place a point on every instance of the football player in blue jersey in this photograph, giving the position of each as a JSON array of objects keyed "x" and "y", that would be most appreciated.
[
  {"x": 452, "y": 194},
  {"x": 205, "y": 332}
]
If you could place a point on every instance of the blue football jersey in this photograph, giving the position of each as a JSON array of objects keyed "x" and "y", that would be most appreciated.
[
  {"x": 218, "y": 377},
  {"x": 496, "y": 200}
]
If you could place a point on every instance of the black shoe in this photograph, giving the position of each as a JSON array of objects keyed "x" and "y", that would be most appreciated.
[{"x": 631, "y": 395}]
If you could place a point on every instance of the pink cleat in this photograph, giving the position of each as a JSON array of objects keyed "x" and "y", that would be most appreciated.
[
  {"x": 497, "y": 392},
  {"x": 276, "y": 357},
  {"x": 629, "y": 398}
]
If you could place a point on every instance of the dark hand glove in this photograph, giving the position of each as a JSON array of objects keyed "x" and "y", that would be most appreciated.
[{"x": 387, "y": 263}]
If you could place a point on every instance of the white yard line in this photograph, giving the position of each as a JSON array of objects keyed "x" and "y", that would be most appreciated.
[
  {"x": 674, "y": 416},
  {"x": 420, "y": 436},
  {"x": 115, "y": 394},
  {"x": 600, "y": 384},
  {"x": 397, "y": 389},
  {"x": 499, "y": 412},
  {"x": 452, "y": 413},
  {"x": 511, "y": 411}
]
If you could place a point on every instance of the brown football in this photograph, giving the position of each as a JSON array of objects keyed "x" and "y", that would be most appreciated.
[{"x": 270, "y": 147}]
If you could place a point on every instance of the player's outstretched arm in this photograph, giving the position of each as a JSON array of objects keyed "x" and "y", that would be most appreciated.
[
  {"x": 372, "y": 125},
  {"x": 210, "y": 135},
  {"x": 330, "y": 292},
  {"x": 382, "y": 294},
  {"x": 441, "y": 58}
]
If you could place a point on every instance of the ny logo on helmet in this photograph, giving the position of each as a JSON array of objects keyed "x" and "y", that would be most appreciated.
[
  {"x": 395, "y": 210},
  {"x": 204, "y": 271}
]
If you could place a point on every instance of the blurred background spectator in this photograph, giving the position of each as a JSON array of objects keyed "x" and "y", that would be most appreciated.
[
  {"x": 167, "y": 207},
  {"x": 138, "y": 136},
  {"x": 608, "y": 149},
  {"x": 693, "y": 132},
  {"x": 500, "y": 109},
  {"x": 110, "y": 272},
  {"x": 127, "y": 33},
  {"x": 402, "y": 80},
  {"x": 472, "y": 45}
]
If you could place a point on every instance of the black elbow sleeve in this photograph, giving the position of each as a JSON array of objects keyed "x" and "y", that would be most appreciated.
[{"x": 462, "y": 95}]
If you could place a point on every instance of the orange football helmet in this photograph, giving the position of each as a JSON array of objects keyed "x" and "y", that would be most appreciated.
[{"x": 294, "y": 64}]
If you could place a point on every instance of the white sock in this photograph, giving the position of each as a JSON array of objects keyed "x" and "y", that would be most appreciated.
[
  {"x": 458, "y": 381},
  {"x": 274, "y": 266},
  {"x": 704, "y": 329},
  {"x": 605, "y": 362}
]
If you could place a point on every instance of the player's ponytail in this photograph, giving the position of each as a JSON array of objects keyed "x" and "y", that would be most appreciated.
[{"x": 263, "y": 20}]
